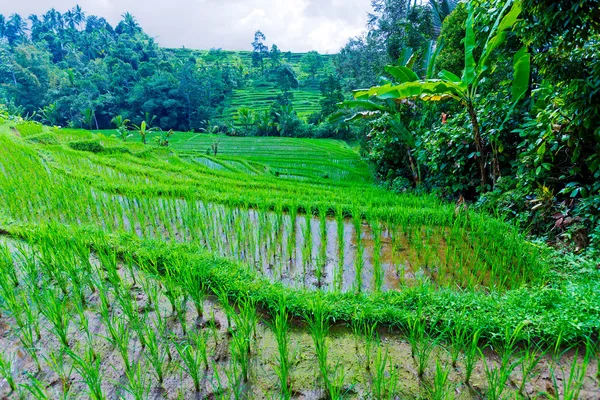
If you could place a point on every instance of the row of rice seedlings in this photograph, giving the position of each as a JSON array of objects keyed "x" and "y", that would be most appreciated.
[{"x": 281, "y": 328}]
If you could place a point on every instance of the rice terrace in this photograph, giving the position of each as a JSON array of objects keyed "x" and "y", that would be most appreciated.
[{"x": 416, "y": 216}]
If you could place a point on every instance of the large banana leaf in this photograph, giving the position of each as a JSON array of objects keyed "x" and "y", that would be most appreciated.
[
  {"x": 431, "y": 87},
  {"x": 406, "y": 58},
  {"x": 470, "y": 65},
  {"x": 366, "y": 104},
  {"x": 403, "y": 74},
  {"x": 432, "y": 59},
  {"x": 499, "y": 32},
  {"x": 521, "y": 66},
  {"x": 449, "y": 76}
]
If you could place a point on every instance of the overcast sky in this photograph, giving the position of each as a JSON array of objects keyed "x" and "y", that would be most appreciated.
[{"x": 295, "y": 25}]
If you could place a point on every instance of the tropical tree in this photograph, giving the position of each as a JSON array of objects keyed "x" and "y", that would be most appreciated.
[
  {"x": 163, "y": 139},
  {"x": 50, "y": 114},
  {"x": 246, "y": 117},
  {"x": 122, "y": 125},
  {"x": 311, "y": 63},
  {"x": 449, "y": 86}
]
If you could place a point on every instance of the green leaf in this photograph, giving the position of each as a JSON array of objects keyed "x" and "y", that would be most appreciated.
[
  {"x": 449, "y": 76},
  {"x": 522, "y": 67},
  {"x": 405, "y": 57},
  {"x": 498, "y": 33},
  {"x": 403, "y": 74},
  {"x": 366, "y": 104},
  {"x": 470, "y": 65},
  {"x": 432, "y": 60}
]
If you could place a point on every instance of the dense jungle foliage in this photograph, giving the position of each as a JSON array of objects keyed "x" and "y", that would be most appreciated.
[{"x": 535, "y": 158}]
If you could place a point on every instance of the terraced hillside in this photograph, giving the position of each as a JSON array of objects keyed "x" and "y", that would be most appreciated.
[
  {"x": 258, "y": 94},
  {"x": 312, "y": 159},
  {"x": 319, "y": 160},
  {"x": 260, "y": 98}
]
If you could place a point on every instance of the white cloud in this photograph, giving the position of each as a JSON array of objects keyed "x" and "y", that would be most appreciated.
[{"x": 296, "y": 25}]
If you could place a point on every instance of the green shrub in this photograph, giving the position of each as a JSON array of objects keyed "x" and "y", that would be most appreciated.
[
  {"x": 2, "y": 120},
  {"x": 93, "y": 146},
  {"x": 29, "y": 128},
  {"x": 43, "y": 138}
]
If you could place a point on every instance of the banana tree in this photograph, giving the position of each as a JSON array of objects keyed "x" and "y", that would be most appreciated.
[
  {"x": 463, "y": 90},
  {"x": 122, "y": 125},
  {"x": 143, "y": 130}
]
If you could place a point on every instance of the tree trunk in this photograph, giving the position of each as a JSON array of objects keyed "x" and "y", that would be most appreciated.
[
  {"x": 478, "y": 146},
  {"x": 415, "y": 172}
]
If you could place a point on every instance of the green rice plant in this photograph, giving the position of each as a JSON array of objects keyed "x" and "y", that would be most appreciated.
[
  {"x": 192, "y": 359},
  {"x": 27, "y": 337},
  {"x": 130, "y": 310},
  {"x": 440, "y": 389},
  {"x": 339, "y": 271},
  {"x": 182, "y": 312},
  {"x": 531, "y": 357},
  {"x": 458, "y": 337},
  {"x": 471, "y": 354},
  {"x": 358, "y": 260},
  {"x": 218, "y": 388},
  {"x": 31, "y": 320},
  {"x": 89, "y": 367},
  {"x": 371, "y": 339},
  {"x": 119, "y": 338},
  {"x": 421, "y": 343},
  {"x": 138, "y": 383},
  {"x": 497, "y": 377},
  {"x": 242, "y": 336},
  {"x": 172, "y": 290},
  {"x": 335, "y": 389},
  {"x": 377, "y": 268},
  {"x": 10, "y": 300},
  {"x": 155, "y": 353},
  {"x": 235, "y": 379},
  {"x": 383, "y": 386},
  {"x": 7, "y": 266},
  {"x": 319, "y": 328},
  {"x": 194, "y": 287},
  {"x": 572, "y": 383},
  {"x": 36, "y": 389},
  {"x": 281, "y": 327},
  {"x": 6, "y": 370},
  {"x": 56, "y": 362}
]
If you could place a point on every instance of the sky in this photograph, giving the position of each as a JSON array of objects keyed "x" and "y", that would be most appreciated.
[{"x": 294, "y": 25}]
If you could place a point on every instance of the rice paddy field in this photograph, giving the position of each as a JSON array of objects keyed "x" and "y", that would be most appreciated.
[
  {"x": 273, "y": 269},
  {"x": 306, "y": 101}
]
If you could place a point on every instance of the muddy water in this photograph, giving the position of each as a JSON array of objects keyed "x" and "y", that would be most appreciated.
[{"x": 298, "y": 250}]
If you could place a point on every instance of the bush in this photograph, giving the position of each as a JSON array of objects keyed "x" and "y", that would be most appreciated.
[
  {"x": 29, "y": 128},
  {"x": 93, "y": 146}
]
